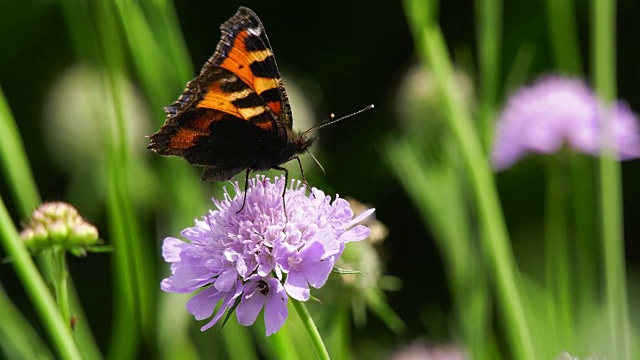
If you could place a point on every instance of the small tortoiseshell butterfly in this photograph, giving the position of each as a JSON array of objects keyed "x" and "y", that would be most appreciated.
[{"x": 235, "y": 115}]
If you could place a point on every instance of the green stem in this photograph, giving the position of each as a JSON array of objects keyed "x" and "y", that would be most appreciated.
[
  {"x": 15, "y": 166},
  {"x": 557, "y": 255},
  {"x": 133, "y": 315},
  {"x": 36, "y": 288},
  {"x": 564, "y": 36},
  {"x": 18, "y": 338},
  {"x": 432, "y": 48},
  {"x": 439, "y": 193},
  {"x": 604, "y": 72},
  {"x": 60, "y": 282},
  {"x": 489, "y": 28},
  {"x": 311, "y": 328},
  {"x": 583, "y": 189}
]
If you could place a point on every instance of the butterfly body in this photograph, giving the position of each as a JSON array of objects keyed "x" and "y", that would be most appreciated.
[{"x": 235, "y": 114}]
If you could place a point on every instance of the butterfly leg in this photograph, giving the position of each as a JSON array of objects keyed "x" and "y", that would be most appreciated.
[
  {"x": 246, "y": 186},
  {"x": 304, "y": 179}
]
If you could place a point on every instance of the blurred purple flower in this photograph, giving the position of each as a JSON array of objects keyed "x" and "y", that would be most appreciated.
[
  {"x": 257, "y": 258},
  {"x": 555, "y": 111}
]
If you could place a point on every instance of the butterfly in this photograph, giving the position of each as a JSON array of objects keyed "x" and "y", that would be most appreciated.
[{"x": 235, "y": 115}]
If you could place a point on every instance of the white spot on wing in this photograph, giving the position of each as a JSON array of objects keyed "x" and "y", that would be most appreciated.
[
  {"x": 254, "y": 31},
  {"x": 248, "y": 113},
  {"x": 230, "y": 79}
]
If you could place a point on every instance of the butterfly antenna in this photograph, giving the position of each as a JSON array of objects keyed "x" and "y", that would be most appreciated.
[
  {"x": 331, "y": 120},
  {"x": 317, "y": 162}
]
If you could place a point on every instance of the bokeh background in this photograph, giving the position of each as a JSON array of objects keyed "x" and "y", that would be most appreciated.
[{"x": 336, "y": 57}]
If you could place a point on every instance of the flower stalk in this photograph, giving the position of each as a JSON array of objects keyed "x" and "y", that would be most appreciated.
[
  {"x": 36, "y": 288},
  {"x": 312, "y": 330},
  {"x": 604, "y": 70}
]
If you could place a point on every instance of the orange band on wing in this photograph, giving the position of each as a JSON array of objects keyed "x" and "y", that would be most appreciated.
[
  {"x": 275, "y": 106},
  {"x": 194, "y": 127},
  {"x": 239, "y": 60},
  {"x": 217, "y": 99},
  {"x": 184, "y": 139}
]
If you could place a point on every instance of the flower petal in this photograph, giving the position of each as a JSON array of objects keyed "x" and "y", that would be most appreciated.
[
  {"x": 297, "y": 286},
  {"x": 171, "y": 249},
  {"x": 250, "y": 305},
  {"x": 357, "y": 233},
  {"x": 202, "y": 305},
  {"x": 227, "y": 302},
  {"x": 275, "y": 311},
  {"x": 360, "y": 217},
  {"x": 318, "y": 273}
]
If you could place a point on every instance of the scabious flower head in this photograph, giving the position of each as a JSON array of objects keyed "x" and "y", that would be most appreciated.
[
  {"x": 58, "y": 224},
  {"x": 556, "y": 111},
  {"x": 257, "y": 258}
]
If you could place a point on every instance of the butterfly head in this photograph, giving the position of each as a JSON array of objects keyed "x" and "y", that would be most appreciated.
[{"x": 301, "y": 142}]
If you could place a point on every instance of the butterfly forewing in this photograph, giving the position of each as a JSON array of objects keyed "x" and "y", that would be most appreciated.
[
  {"x": 235, "y": 114},
  {"x": 248, "y": 44}
]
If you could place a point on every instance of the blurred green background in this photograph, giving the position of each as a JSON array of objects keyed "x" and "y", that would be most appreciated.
[{"x": 341, "y": 56}]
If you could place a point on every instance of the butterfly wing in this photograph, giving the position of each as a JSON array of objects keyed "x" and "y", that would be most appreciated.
[
  {"x": 245, "y": 42},
  {"x": 222, "y": 143},
  {"x": 233, "y": 109}
]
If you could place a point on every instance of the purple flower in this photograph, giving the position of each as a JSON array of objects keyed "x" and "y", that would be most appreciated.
[
  {"x": 257, "y": 258},
  {"x": 262, "y": 292},
  {"x": 309, "y": 265},
  {"x": 556, "y": 111}
]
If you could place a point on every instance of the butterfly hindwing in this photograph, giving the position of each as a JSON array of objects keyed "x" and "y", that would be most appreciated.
[{"x": 222, "y": 143}]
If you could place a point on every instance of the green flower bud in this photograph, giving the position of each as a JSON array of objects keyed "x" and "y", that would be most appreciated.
[{"x": 58, "y": 224}]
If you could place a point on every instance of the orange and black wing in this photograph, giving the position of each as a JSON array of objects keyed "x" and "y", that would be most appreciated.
[
  {"x": 235, "y": 110},
  {"x": 245, "y": 51}
]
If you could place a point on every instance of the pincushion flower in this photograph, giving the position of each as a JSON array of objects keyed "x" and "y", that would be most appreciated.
[
  {"x": 557, "y": 111},
  {"x": 257, "y": 258},
  {"x": 59, "y": 225}
]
